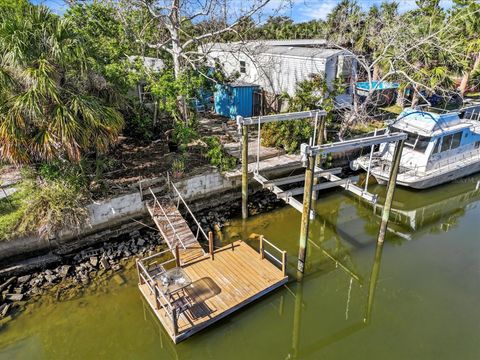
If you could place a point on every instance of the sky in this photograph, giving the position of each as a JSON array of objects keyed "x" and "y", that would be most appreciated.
[{"x": 301, "y": 10}]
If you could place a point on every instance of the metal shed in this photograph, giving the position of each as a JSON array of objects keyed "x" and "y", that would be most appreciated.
[{"x": 236, "y": 99}]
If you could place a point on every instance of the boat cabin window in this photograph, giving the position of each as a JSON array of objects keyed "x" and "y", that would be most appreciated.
[
  {"x": 456, "y": 140},
  {"x": 448, "y": 142},
  {"x": 477, "y": 144},
  {"x": 417, "y": 142},
  {"x": 437, "y": 146}
]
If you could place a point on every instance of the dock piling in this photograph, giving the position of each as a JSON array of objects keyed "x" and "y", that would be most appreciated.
[
  {"x": 210, "y": 244},
  {"x": 397, "y": 154},
  {"x": 177, "y": 256},
  {"x": 307, "y": 204},
  {"x": 244, "y": 172}
]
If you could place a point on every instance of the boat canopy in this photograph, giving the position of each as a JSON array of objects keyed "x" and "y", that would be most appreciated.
[{"x": 426, "y": 122}]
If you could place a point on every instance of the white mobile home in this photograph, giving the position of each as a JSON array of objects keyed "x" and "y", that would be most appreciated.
[{"x": 277, "y": 66}]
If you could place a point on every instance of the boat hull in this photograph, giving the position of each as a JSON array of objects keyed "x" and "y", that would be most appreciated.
[
  {"x": 417, "y": 181},
  {"x": 428, "y": 181}
]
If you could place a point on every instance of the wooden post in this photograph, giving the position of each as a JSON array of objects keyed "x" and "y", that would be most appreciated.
[
  {"x": 210, "y": 244},
  {"x": 244, "y": 172},
  {"x": 318, "y": 159},
  {"x": 397, "y": 155},
  {"x": 284, "y": 263},
  {"x": 177, "y": 256},
  {"x": 174, "y": 321},
  {"x": 156, "y": 294},
  {"x": 140, "y": 278},
  {"x": 261, "y": 247},
  {"x": 307, "y": 204}
]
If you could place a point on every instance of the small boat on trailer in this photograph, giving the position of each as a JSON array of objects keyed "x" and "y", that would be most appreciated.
[{"x": 440, "y": 147}]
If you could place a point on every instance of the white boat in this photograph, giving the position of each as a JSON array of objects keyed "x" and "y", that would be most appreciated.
[{"x": 440, "y": 147}]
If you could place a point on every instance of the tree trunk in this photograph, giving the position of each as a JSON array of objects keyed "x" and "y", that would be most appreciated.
[
  {"x": 466, "y": 75},
  {"x": 415, "y": 98},
  {"x": 476, "y": 64},
  {"x": 176, "y": 54},
  {"x": 376, "y": 72},
  {"x": 463, "y": 85},
  {"x": 401, "y": 97}
]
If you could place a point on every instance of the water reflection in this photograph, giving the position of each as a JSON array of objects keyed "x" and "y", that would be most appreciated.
[
  {"x": 440, "y": 206},
  {"x": 298, "y": 350}
]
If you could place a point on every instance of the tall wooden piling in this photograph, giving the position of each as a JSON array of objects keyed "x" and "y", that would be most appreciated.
[
  {"x": 244, "y": 172},
  {"x": 397, "y": 155},
  {"x": 318, "y": 158},
  {"x": 305, "y": 224}
]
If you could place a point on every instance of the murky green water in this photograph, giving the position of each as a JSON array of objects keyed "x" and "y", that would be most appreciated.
[{"x": 418, "y": 300}]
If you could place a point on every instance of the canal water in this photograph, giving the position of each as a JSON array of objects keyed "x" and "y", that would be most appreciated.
[{"x": 414, "y": 298}]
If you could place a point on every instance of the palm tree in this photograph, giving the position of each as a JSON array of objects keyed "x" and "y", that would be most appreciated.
[
  {"x": 51, "y": 104},
  {"x": 344, "y": 23}
]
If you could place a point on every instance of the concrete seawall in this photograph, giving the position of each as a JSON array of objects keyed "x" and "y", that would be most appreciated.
[
  {"x": 124, "y": 214},
  {"x": 106, "y": 219}
]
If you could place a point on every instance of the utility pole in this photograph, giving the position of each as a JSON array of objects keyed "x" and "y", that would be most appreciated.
[{"x": 397, "y": 155}]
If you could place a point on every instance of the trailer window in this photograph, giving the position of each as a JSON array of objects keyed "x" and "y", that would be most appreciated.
[{"x": 243, "y": 67}]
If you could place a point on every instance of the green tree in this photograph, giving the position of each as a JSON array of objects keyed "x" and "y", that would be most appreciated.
[
  {"x": 344, "y": 23},
  {"x": 466, "y": 14},
  {"x": 51, "y": 104}
]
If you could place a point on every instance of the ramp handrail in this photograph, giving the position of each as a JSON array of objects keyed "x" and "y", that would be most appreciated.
[
  {"x": 156, "y": 202},
  {"x": 180, "y": 198}
]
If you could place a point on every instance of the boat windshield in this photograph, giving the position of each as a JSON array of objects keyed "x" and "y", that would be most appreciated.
[{"x": 416, "y": 142}]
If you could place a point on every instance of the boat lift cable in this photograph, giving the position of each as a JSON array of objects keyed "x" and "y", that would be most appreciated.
[
  {"x": 370, "y": 163},
  {"x": 257, "y": 168}
]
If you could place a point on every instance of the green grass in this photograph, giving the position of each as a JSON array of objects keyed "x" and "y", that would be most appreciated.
[
  {"x": 394, "y": 109},
  {"x": 473, "y": 95},
  {"x": 11, "y": 212}
]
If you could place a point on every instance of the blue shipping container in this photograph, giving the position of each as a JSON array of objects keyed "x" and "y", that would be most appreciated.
[{"x": 235, "y": 99}]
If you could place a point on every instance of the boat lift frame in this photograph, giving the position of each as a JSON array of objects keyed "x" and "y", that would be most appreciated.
[
  {"x": 243, "y": 124},
  {"x": 309, "y": 156}
]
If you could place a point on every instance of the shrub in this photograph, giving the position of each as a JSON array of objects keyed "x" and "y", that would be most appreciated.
[
  {"x": 48, "y": 199},
  {"x": 287, "y": 134},
  {"x": 183, "y": 133},
  {"x": 217, "y": 156},
  {"x": 52, "y": 206}
]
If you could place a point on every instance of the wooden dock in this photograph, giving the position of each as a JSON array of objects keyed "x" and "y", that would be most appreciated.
[{"x": 220, "y": 281}]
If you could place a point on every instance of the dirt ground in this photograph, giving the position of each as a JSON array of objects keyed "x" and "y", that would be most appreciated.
[{"x": 135, "y": 163}]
